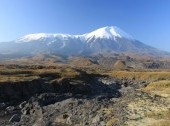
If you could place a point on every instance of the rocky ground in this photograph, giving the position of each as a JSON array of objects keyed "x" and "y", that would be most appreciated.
[
  {"x": 55, "y": 109},
  {"x": 89, "y": 100}
]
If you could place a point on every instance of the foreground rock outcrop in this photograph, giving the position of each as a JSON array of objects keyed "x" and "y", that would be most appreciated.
[{"x": 69, "y": 103}]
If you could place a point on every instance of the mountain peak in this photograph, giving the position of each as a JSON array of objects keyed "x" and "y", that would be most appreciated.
[
  {"x": 108, "y": 32},
  {"x": 106, "y": 40}
]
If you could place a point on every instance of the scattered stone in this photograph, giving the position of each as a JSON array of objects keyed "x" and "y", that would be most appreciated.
[
  {"x": 22, "y": 104},
  {"x": 25, "y": 111},
  {"x": 96, "y": 119},
  {"x": 65, "y": 116},
  {"x": 10, "y": 109},
  {"x": 2, "y": 105},
  {"x": 102, "y": 123},
  {"x": 15, "y": 118}
]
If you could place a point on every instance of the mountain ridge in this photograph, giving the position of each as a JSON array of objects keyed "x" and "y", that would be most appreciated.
[
  {"x": 104, "y": 32},
  {"x": 105, "y": 40}
]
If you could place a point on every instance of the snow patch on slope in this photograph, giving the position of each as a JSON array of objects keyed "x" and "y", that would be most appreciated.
[
  {"x": 43, "y": 36},
  {"x": 102, "y": 33},
  {"x": 108, "y": 33}
]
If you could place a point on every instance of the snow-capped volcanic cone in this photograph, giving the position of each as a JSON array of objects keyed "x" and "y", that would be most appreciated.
[
  {"x": 108, "y": 33},
  {"x": 103, "y": 40}
]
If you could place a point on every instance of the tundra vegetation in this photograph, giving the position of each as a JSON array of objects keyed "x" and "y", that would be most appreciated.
[{"x": 65, "y": 95}]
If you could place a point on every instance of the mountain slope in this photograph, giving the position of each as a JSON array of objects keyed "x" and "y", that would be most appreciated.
[{"x": 106, "y": 40}]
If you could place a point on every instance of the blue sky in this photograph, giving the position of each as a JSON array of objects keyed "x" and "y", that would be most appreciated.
[{"x": 146, "y": 20}]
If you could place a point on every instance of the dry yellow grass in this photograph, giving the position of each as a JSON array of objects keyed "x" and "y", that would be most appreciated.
[
  {"x": 161, "y": 123},
  {"x": 112, "y": 121},
  {"x": 17, "y": 78},
  {"x": 158, "y": 85},
  {"x": 119, "y": 65},
  {"x": 28, "y": 74},
  {"x": 16, "y": 75},
  {"x": 161, "y": 88},
  {"x": 159, "y": 115},
  {"x": 147, "y": 76}
]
